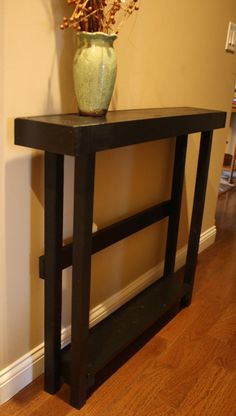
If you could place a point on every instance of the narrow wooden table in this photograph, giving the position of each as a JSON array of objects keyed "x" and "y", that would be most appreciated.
[{"x": 82, "y": 137}]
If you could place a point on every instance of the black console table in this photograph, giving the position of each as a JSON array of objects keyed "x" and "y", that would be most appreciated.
[{"x": 82, "y": 137}]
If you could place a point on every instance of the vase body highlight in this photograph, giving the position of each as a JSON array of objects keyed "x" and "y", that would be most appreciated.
[{"x": 95, "y": 70}]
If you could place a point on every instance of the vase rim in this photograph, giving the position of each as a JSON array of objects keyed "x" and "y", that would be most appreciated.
[{"x": 97, "y": 34}]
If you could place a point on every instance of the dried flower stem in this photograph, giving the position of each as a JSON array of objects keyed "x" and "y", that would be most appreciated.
[{"x": 99, "y": 15}]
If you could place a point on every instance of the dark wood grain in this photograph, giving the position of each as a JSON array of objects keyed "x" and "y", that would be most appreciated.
[
  {"x": 114, "y": 233},
  {"x": 197, "y": 211},
  {"x": 54, "y": 173},
  {"x": 71, "y": 134},
  {"x": 122, "y": 327},
  {"x": 81, "y": 274},
  {"x": 176, "y": 198}
]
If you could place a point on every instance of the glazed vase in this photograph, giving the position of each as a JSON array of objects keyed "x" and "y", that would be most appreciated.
[{"x": 95, "y": 70}]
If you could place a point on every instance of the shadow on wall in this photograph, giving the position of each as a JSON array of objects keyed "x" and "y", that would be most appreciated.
[
  {"x": 23, "y": 300},
  {"x": 36, "y": 244},
  {"x": 65, "y": 45}
]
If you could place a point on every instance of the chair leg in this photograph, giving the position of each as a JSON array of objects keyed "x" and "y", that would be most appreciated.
[{"x": 232, "y": 167}]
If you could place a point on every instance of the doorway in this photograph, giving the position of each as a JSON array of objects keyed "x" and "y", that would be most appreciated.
[{"x": 228, "y": 175}]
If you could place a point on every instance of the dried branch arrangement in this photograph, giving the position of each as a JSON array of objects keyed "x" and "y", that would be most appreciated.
[{"x": 99, "y": 15}]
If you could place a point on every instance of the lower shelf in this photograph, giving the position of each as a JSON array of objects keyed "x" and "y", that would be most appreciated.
[{"x": 122, "y": 327}]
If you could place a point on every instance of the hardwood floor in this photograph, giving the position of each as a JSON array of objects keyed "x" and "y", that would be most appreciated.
[{"x": 188, "y": 368}]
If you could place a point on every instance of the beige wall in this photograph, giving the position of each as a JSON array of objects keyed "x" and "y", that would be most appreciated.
[
  {"x": 170, "y": 54},
  {"x": 2, "y": 251}
]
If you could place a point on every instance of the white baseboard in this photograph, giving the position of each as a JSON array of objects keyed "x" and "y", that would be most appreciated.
[
  {"x": 207, "y": 238},
  {"x": 30, "y": 366}
]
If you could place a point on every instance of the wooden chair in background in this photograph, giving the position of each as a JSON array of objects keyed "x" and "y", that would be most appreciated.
[{"x": 229, "y": 164}]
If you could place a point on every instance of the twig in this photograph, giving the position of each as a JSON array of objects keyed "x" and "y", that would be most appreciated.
[{"x": 99, "y": 15}]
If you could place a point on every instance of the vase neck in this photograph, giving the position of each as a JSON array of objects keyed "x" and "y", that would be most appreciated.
[{"x": 96, "y": 38}]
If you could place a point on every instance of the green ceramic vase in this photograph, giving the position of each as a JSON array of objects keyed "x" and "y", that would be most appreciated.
[{"x": 95, "y": 70}]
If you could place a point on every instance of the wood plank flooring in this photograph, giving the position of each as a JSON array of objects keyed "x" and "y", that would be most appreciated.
[{"x": 188, "y": 368}]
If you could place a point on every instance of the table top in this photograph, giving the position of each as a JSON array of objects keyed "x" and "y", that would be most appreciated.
[{"x": 71, "y": 134}]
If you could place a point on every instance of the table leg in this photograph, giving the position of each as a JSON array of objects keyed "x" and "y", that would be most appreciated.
[
  {"x": 197, "y": 212},
  {"x": 82, "y": 246},
  {"x": 54, "y": 173},
  {"x": 176, "y": 198}
]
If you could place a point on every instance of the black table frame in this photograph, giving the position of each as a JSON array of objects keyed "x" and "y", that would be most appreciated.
[{"x": 82, "y": 137}]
